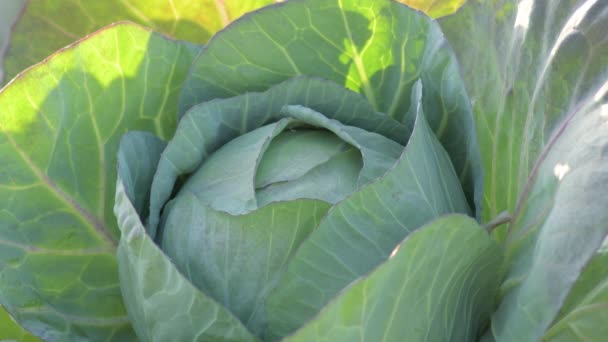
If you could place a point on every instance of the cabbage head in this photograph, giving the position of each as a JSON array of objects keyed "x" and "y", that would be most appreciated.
[
  {"x": 319, "y": 143},
  {"x": 311, "y": 173}
]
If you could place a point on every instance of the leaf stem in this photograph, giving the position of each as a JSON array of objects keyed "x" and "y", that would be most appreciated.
[{"x": 499, "y": 220}]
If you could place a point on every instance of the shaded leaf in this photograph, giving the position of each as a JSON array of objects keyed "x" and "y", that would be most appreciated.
[
  {"x": 307, "y": 163},
  {"x": 585, "y": 312},
  {"x": 60, "y": 125},
  {"x": 360, "y": 232},
  {"x": 561, "y": 224},
  {"x": 9, "y": 13},
  {"x": 162, "y": 304},
  {"x": 438, "y": 286},
  {"x": 526, "y": 65},
  {"x": 237, "y": 260},
  {"x": 294, "y": 153},
  {"x": 537, "y": 73}
]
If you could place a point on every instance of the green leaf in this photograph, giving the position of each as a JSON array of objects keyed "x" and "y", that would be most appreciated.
[
  {"x": 560, "y": 225},
  {"x": 439, "y": 285},
  {"x": 200, "y": 240},
  {"x": 163, "y": 304},
  {"x": 9, "y": 12},
  {"x": 60, "y": 124},
  {"x": 377, "y": 48},
  {"x": 45, "y": 27},
  {"x": 10, "y": 330},
  {"x": 307, "y": 163},
  {"x": 379, "y": 153},
  {"x": 212, "y": 124},
  {"x": 585, "y": 312},
  {"x": 538, "y": 76},
  {"x": 526, "y": 67},
  {"x": 294, "y": 153},
  {"x": 361, "y": 231},
  {"x": 225, "y": 181},
  {"x": 237, "y": 260},
  {"x": 330, "y": 181},
  {"x": 435, "y": 8}
]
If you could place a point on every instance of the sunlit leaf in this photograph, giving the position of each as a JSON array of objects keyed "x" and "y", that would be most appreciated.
[
  {"x": 435, "y": 8},
  {"x": 10, "y": 330},
  {"x": 46, "y": 26},
  {"x": 60, "y": 125}
]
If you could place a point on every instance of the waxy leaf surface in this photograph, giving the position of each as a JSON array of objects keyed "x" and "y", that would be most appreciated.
[
  {"x": 149, "y": 280},
  {"x": 376, "y": 48},
  {"x": 585, "y": 312},
  {"x": 60, "y": 125},
  {"x": 537, "y": 74},
  {"x": 439, "y": 285},
  {"x": 361, "y": 231}
]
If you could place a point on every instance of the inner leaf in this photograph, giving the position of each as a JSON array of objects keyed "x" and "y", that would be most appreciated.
[
  {"x": 331, "y": 181},
  {"x": 307, "y": 163},
  {"x": 299, "y": 156},
  {"x": 295, "y": 152}
]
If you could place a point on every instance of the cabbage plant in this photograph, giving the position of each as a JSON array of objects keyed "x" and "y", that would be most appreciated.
[{"x": 317, "y": 170}]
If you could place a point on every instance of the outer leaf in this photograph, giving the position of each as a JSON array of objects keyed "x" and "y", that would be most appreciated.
[
  {"x": 10, "y": 330},
  {"x": 378, "y": 48},
  {"x": 435, "y": 8},
  {"x": 163, "y": 304},
  {"x": 585, "y": 311},
  {"x": 9, "y": 12},
  {"x": 438, "y": 286},
  {"x": 527, "y": 64},
  {"x": 538, "y": 75},
  {"x": 237, "y": 260},
  {"x": 360, "y": 232},
  {"x": 60, "y": 123},
  {"x": 45, "y": 27}
]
